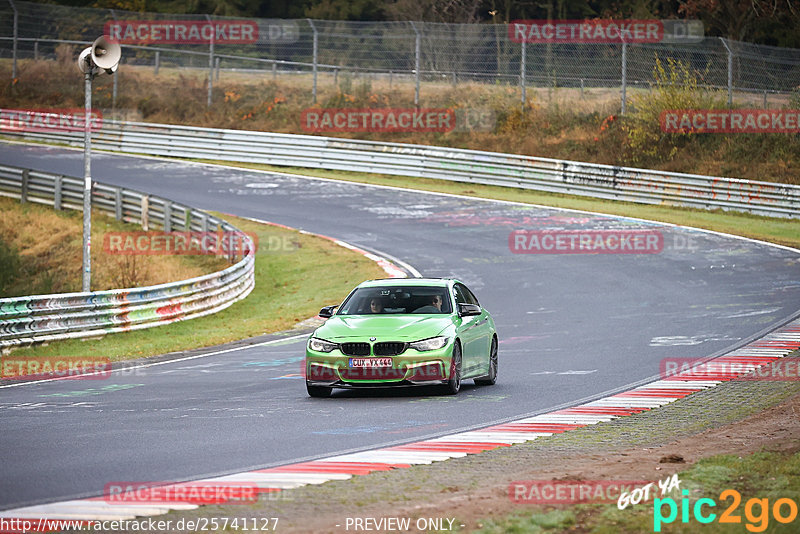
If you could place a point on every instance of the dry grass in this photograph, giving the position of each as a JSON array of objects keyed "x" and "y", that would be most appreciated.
[
  {"x": 563, "y": 123},
  {"x": 42, "y": 254}
]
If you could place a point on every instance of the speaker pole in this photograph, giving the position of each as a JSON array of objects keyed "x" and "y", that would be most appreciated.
[
  {"x": 87, "y": 179},
  {"x": 102, "y": 56}
]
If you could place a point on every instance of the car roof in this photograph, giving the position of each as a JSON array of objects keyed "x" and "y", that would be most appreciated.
[{"x": 443, "y": 282}]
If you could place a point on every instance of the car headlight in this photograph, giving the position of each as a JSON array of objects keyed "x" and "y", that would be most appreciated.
[
  {"x": 432, "y": 343},
  {"x": 320, "y": 345}
]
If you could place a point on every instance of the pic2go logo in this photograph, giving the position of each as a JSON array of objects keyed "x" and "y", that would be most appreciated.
[{"x": 756, "y": 511}]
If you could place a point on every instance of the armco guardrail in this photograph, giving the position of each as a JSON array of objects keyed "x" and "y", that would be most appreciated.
[
  {"x": 40, "y": 318},
  {"x": 557, "y": 176}
]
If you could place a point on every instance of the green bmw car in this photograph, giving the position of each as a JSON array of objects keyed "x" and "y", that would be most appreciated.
[{"x": 403, "y": 332}]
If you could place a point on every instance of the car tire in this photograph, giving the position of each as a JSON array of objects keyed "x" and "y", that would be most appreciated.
[
  {"x": 318, "y": 391},
  {"x": 453, "y": 385},
  {"x": 491, "y": 378}
]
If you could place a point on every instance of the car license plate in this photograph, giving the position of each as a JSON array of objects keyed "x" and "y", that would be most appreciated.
[{"x": 370, "y": 363}]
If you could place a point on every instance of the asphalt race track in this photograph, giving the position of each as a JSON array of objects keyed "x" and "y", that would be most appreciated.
[{"x": 571, "y": 327}]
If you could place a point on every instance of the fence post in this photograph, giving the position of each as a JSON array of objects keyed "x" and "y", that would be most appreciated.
[
  {"x": 314, "y": 59},
  {"x": 216, "y": 61},
  {"x": 118, "y": 203},
  {"x": 210, "y": 64},
  {"x": 23, "y": 194},
  {"x": 167, "y": 216},
  {"x": 57, "y": 192},
  {"x": 114, "y": 93},
  {"x": 14, "y": 45},
  {"x": 581, "y": 88},
  {"x": 730, "y": 72},
  {"x": 417, "y": 48},
  {"x": 274, "y": 71},
  {"x": 157, "y": 62},
  {"x": 36, "y": 50},
  {"x": 522, "y": 64},
  {"x": 624, "y": 75},
  {"x": 145, "y": 216}
]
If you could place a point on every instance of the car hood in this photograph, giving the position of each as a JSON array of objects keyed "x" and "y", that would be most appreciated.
[{"x": 383, "y": 328}]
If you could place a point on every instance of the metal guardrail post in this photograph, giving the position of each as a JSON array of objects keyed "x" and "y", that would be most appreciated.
[
  {"x": 118, "y": 204},
  {"x": 730, "y": 71},
  {"x": 57, "y": 192},
  {"x": 145, "y": 209},
  {"x": 417, "y": 52},
  {"x": 23, "y": 196},
  {"x": 14, "y": 45},
  {"x": 167, "y": 216},
  {"x": 157, "y": 61},
  {"x": 314, "y": 59}
]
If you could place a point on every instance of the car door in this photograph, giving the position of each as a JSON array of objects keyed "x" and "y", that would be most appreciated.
[
  {"x": 482, "y": 333},
  {"x": 471, "y": 332}
]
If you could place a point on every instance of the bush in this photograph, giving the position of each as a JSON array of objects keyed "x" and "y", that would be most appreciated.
[{"x": 675, "y": 86}]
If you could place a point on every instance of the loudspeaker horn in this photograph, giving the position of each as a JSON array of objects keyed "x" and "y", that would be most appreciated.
[
  {"x": 82, "y": 65},
  {"x": 106, "y": 53}
]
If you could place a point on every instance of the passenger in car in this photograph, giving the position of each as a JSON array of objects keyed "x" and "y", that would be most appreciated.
[{"x": 375, "y": 306}]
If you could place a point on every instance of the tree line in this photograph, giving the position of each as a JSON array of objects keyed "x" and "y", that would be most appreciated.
[{"x": 771, "y": 22}]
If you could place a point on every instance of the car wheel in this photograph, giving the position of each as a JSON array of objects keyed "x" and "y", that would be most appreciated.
[
  {"x": 318, "y": 391},
  {"x": 491, "y": 378},
  {"x": 454, "y": 383}
]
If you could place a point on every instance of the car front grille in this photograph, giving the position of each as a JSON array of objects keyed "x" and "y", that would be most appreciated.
[
  {"x": 376, "y": 373},
  {"x": 355, "y": 349},
  {"x": 389, "y": 348}
]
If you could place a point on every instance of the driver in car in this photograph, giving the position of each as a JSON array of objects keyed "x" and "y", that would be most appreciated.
[{"x": 435, "y": 306}]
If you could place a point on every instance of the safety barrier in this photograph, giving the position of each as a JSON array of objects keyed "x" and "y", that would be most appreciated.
[
  {"x": 473, "y": 166},
  {"x": 40, "y": 318}
]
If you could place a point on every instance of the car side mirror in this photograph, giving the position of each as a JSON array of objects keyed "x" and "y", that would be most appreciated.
[
  {"x": 465, "y": 310},
  {"x": 327, "y": 311}
]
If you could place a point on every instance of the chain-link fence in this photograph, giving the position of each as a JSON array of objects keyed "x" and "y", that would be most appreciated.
[{"x": 410, "y": 52}]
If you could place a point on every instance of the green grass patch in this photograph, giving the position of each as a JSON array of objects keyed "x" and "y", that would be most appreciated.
[
  {"x": 774, "y": 230},
  {"x": 762, "y": 475},
  {"x": 291, "y": 285}
]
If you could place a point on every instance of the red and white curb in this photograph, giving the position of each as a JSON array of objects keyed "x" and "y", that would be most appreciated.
[{"x": 756, "y": 354}]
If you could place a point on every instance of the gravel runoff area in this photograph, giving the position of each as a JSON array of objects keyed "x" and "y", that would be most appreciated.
[{"x": 735, "y": 417}]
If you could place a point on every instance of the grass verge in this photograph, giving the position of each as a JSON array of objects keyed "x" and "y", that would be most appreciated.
[
  {"x": 774, "y": 230},
  {"x": 287, "y": 291},
  {"x": 764, "y": 477}
]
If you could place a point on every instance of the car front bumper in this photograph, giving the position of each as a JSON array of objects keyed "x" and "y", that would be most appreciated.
[{"x": 411, "y": 368}]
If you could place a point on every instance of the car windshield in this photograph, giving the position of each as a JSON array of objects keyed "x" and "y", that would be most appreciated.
[{"x": 396, "y": 299}]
